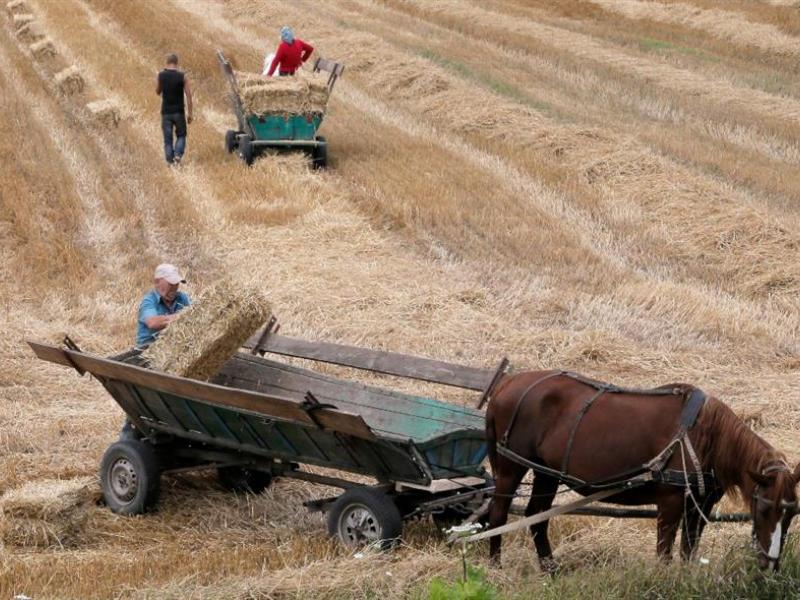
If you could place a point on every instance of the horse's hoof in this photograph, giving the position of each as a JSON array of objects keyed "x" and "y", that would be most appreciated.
[{"x": 549, "y": 565}]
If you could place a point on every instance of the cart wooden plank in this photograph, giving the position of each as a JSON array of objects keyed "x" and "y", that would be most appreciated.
[
  {"x": 388, "y": 363},
  {"x": 281, "y": 408}
]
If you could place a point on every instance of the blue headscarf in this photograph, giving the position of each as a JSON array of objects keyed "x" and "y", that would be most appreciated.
[{"x": 287, "y": 35}]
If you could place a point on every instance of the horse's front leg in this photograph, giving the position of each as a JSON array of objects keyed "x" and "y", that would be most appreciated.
[
  {"x": 694, "y": 523},
  {"x": 542, "y": 493},
  {"x": 506, "y": 481},
  {"x": 670, "y": 512}
]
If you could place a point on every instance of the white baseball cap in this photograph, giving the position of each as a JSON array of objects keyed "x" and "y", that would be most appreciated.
[{"x": 170, "y": 273}]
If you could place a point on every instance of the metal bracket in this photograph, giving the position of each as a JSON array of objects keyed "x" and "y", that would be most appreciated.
[
  {"x": 310, "y": 404},
  {"x": 74, "y": 348},
  {"x": 501, "y": 370},
  {"x": 271, "y": 327}
]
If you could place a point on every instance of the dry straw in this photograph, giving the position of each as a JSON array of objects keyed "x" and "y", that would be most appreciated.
[
  {"x": 70, "y": 81},
  {"x": 303, "y": 93},
  {"x": 43, "y": 49},
  {"x": 48, "y": 512},
  {"x": 207, "y": 333},
  {"x": 104, "y": 113},
  {"x": 16, "y": 7}
]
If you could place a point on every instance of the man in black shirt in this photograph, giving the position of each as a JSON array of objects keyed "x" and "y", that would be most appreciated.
[{"x": 171, "y": 85}]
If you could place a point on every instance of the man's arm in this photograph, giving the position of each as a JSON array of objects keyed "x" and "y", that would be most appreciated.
[
  {"x": 306, "y": 51},
  {"x": 158, "y": 84},
  {"x": 275, "y": 61},
  {"x": 188, "y": 91},
  {"x": 159, "y": 322}
]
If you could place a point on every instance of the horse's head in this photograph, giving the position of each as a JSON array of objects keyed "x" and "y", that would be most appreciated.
[{"x": 773, "y": 505}]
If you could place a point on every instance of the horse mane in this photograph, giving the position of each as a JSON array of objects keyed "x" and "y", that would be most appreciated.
[{"x": 734, "y": 448}]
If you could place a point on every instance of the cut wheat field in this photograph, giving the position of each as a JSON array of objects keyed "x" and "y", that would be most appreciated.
[{"x": 600, "y": 186}]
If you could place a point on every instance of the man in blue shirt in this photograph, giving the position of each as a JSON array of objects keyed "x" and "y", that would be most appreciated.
[{"x": 160, "y": 306}]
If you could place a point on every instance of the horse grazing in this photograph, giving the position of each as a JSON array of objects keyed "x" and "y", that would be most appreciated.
[{"x": 592, "y": 436}]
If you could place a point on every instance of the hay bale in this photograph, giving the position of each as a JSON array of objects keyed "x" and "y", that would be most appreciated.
[
  {"x": 104, "y": 112},
  {"x": 47, "y": 513},
  {"x": 304, "y": 93},
  {"x": 16, "y": 7},
  {"x": 20, "y": 18},
  {"x": 30, "y": 32},
  {"x": 70, "y": 81},
  {"x": 43, "y": 49},
  {"x": 207, "y": 333}
]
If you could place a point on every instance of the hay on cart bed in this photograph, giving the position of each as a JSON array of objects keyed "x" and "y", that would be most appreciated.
[{"x": 303, "y": 93}]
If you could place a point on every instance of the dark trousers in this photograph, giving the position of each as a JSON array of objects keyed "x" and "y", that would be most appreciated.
[{"x": 174, "y": 123}]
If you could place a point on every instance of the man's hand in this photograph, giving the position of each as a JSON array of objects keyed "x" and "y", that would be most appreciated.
[{"x": 189, "y": 118}]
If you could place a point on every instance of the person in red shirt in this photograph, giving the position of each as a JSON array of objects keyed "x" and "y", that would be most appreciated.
[{"x": 292, "y": 52}]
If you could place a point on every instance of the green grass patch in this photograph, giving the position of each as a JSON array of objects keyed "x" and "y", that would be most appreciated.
[
  {"x": 648, "y": 44},
  {"x": 499, "y": 87}
]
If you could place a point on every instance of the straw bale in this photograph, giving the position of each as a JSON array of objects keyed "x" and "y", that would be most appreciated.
[
  {"x": 30, "y": 32},
  {"x": 104, "y": 112},
  {"x": 43, "y": 49},
  {"x": 207, "y": 333},
  {"x": 70, "y": 81},
  {"x": 21, "y": 19},
  {"x": 47, "y": 512},
  {"x": 303, "y": 93},
  {"x": 16, "y": 7}
]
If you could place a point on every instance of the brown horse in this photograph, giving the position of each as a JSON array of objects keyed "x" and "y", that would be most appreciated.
[{"x": 540, "y": 414}]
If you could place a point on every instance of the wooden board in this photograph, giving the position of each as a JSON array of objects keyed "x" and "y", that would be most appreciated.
[
  {"x": 273, "y": 406},
  {"x": 389, "y": 363}
]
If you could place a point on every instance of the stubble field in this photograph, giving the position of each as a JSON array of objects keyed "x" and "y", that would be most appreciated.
[{"x": 605, "y": 186}]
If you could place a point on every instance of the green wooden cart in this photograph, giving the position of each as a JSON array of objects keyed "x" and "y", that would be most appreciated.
[
  {"x": 277, "y": 131},
  {"x": 262, "y": 418}
]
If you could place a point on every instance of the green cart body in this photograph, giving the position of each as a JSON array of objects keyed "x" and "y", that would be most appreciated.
[
  {"x": 260, "y": 418},
  {"x": 277, "y": 131}
]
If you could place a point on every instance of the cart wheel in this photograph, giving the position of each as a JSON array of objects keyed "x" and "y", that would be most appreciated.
[
  {"x": 230, "y": 141},
  {"x": 130, "y": 477},
  {"x": 242, "y": 479},
  {"x": 363, "y": 516},
  {"x": 319, "y": 154},
  {"x": 246, "y": 149}
]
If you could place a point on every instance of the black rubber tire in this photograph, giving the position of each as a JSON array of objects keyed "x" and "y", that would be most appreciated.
[
  {"x": 246, "y": 150},
  {"x": 382, "y": 523},
  {"x": 242, "y": 479},
  {"x": 319, "y": 154},
  {"x": 230, "y": 141},
  {"x": 130, "y": 477}
]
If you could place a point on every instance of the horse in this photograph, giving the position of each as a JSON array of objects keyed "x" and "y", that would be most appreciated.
[{"x": 574, "y": 430}]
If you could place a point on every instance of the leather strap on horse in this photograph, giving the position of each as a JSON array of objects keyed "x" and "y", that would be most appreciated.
[{"x": 691, "y": 409}]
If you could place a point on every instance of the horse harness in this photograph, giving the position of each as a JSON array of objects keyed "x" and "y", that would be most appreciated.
[{"x": 653, "y": 470}]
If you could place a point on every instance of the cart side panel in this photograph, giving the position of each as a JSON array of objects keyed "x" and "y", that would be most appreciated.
[
  {"x": 285, "y": 126},
  {"x": 224, "y": 427},
  {"x": 460, "y": 453},
  {"x": 385, "y": 411}
]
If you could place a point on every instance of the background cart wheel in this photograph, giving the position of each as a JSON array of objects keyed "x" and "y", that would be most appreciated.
[
  {"x": 230, "y": 141},
  {"x": 319, "y": 154},
  {"x": 130, "y": 477},
  {"x": 246, "y": 150},
  {"x": 364, "y": 516},
  {"x": 242, "y": 479}
]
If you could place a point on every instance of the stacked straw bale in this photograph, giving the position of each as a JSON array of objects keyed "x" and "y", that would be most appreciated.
[
  {"x": 207, "y": 333},
  {"x": 43, "y": 49},
  {"x": 46, "y": 513},
  {"x": 304, "y": 93},
  {"x": 16, "y": 7},
  {"x": 104, "y": 113},
  {"x": 30, "y": 32},
  {"x": 19, "y": 19},
  {"x": 70, "y": 81}
]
